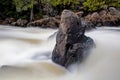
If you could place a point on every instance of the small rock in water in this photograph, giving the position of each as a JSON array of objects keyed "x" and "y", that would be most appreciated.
[{"x": 71, "y": 44}]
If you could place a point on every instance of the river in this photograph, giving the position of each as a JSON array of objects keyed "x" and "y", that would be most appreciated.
[{"x": 25, "y": 54}]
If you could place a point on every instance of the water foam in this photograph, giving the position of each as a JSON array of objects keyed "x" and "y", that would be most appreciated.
[{"x": 102, "y": 63}]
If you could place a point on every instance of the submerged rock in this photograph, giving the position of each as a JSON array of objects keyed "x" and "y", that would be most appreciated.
[{"x": 72, "y": 45}]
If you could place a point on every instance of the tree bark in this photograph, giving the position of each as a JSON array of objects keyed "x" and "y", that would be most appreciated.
[{"x": 31, "y": 12}]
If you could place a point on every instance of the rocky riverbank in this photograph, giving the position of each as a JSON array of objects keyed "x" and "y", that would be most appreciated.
[{"x": 107, "y": 17}]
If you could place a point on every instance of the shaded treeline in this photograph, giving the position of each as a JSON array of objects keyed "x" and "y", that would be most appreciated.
[{"x": 35, "y": 9}]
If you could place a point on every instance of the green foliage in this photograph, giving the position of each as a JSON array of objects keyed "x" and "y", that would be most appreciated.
[
  {"x": 23, "y": 4},
  {"x": 114, "y": 3},
  {"x": 54, "y": 7},
  {"x": 93, "y": 5},
  {"x": 50, "y": 7},
  {"x": 62, "y": 2}
]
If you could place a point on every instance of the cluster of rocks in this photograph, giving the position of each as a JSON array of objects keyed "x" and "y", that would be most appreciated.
[
  {"x": 72, "y": 46},
  {"x": 108, "y": 17},
  {"x": 12, "y": 21},
  {"x": 20, "y": 22},
  {"x": 6, "y": 21},
  {"x": 51, "y": 22},
  {"x": 48, "y": 22}
]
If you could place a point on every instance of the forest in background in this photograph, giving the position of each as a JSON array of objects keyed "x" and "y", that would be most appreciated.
[
  {"x": 46, "y": 13},
  {"x": 35, "y": 9}
]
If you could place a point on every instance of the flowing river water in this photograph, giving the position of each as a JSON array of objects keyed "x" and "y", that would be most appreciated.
[{"x": 25, "y": 54}]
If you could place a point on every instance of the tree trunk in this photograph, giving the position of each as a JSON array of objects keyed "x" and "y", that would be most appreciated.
[{"x": 31, "y": 13}]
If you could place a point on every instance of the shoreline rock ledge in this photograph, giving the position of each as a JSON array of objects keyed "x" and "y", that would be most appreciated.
[{"x": 72, "y": 45}]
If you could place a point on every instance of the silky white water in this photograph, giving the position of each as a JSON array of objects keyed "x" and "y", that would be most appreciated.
[{"x": 25, "y": 54}]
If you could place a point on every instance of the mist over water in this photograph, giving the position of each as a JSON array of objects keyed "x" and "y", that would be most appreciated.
[
  {"x": 19, "y": 44},
  {"x": 103, "y": 62},
  {"x": 27, "y": 54}
]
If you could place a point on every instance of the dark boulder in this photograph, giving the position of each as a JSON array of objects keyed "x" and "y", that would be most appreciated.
[{"x": 72, "y": 45}]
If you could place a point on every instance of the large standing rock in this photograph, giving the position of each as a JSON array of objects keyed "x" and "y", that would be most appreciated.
[{"x": 71, "y": 44}]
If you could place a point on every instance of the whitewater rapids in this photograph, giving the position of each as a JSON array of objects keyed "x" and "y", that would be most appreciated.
[{"x": 25, "y": 54}]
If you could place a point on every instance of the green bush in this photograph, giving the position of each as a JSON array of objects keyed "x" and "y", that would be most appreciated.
[
  {"x": 93, "y": 5},
  {"x": 23, "y": 5},
  {"x": 63, "y": 2},
  {"x": 114, "y": 3}
]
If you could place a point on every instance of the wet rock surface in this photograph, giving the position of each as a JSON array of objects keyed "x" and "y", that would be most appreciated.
[{"x": 72, "y": 45}]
